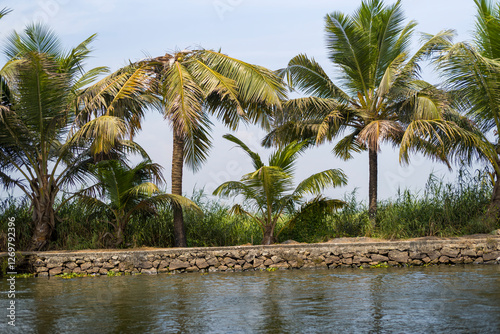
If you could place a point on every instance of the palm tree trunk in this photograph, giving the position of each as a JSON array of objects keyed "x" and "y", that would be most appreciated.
[
  {"x": 43, "y": 220},
  {"x": 372, "y": 187},
  {"x": 177, "y": 165},
  {"x": 119, "y": 234},
  {"x": 269, "y": 238},
  {"x": 494, "y": 207}
]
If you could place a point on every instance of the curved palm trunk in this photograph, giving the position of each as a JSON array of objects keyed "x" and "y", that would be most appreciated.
[
  {"x": 372, "y": 187},
  {"x": 269, "y": 238},
  {"x": 177, "y": 165}
]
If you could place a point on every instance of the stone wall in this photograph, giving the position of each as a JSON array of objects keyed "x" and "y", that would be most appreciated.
[{"x": 295, "y": 256}]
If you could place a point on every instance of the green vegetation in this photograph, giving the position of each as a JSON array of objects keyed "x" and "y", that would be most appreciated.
[
  {"x": 65, "y": 137},
  {"x": 44, "y": 138},
  {"x": 271, "y": 195},
  {"x": 39, "y": 84},
  {"x": 442, "y": 209},
  {"x": 128, "y": 191},
  {"x": 378, "y": 96},
  {"x": 466, "y": 65},
  {"x": 191, "y": 85}
]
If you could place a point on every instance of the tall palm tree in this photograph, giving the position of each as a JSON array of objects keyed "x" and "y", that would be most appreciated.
[
  {"x": 473, "y": 74},
  {"x": 42, "y": 138},
  {"x": 379, "y": 96},
  {"x": 270, "y": 192},
  {"x": 126, "y": 191},
  {"x": 193, "y": 84}
]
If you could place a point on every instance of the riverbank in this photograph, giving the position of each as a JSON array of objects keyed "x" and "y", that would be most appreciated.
[{"x": 352, "y": 252}]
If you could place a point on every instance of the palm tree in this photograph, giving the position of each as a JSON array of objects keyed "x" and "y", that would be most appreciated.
[
  {"x": 195, "y": 84},
  {"x": 380, "y": 96},
  {"x": 473, "y": 74},
  {"x": 126, "y": 191},
  {"x": 43, "y": 140},
  {"x": 270, "y": 192}
]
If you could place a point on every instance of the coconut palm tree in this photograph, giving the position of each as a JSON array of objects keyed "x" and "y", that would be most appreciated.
[
  {"x": 379, "y": 96},
  {"x": 126, "y": 191},
  {"x": 193, "y": 84},
  {"x": 45, "y": 148},
  {"x": 473, "y": 74},
  {"x": 270, "y": 193}
]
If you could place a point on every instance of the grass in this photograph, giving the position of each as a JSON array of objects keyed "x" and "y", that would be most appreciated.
[
  {"x": 441, "y": 209},
  {"x": 444, "y": 209}
]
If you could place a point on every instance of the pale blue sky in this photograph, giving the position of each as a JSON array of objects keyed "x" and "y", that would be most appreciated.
[{"x": 268, "y": 33}]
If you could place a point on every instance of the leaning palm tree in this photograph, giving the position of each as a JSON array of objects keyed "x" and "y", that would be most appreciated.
[
  {"x": 44, "y": 148},
  {"x": 127, "y": 191},
  {"x": 379, "y": 96},
  {"x": 191, "y": 85},
  {"x": 270, "y": 193},
  {"x": 472, "y": 71}
]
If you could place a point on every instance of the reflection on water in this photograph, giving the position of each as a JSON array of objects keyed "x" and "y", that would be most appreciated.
[{"x": 458, "y": 299}]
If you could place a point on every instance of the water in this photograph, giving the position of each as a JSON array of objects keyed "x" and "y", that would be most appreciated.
[{"x": 445, "y": 299}]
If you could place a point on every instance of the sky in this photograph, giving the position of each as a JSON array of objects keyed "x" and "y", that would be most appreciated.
[{"x": 267, "y": 33}]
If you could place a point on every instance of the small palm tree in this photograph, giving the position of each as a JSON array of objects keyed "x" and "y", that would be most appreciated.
[
  {"x": 270, "y": 192},
  {"x": 126, "y": 191},
  {"x": 379, "y": 96}
]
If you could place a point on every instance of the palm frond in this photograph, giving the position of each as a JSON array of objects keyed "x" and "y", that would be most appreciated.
[
  {"x": 104, "y": 132},
  {"x": 316, "y": 183},
  {"x": 4, "y": 11},
  {"x": 286, "y": 157},
  {"x": 197, "y": 145},
  {"x": 256, "y": 160},
  {"x": 254, "y": 83},
  {"x": 309, "y": 77},
  {"x": 36, "y": 38},
  {"x": 348, "y": 144},
  {"x": 487, "y": 28},
  {"x": 183, "y": 99},
  {"x": 438, "y": 139}
]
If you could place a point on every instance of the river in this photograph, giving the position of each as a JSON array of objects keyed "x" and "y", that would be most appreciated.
[{"x": 441, "y": 299}]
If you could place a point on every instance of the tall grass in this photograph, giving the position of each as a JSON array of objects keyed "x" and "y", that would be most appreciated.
[
  {"x": 441, "y": 209},
  {"x": 21, "y": 211},
  {"x": 444, "y": 209},
  {"x": 216, "y": 228}
]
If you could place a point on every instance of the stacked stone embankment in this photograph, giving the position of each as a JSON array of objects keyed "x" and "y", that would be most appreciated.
[{"x": 485, "y": 250}]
